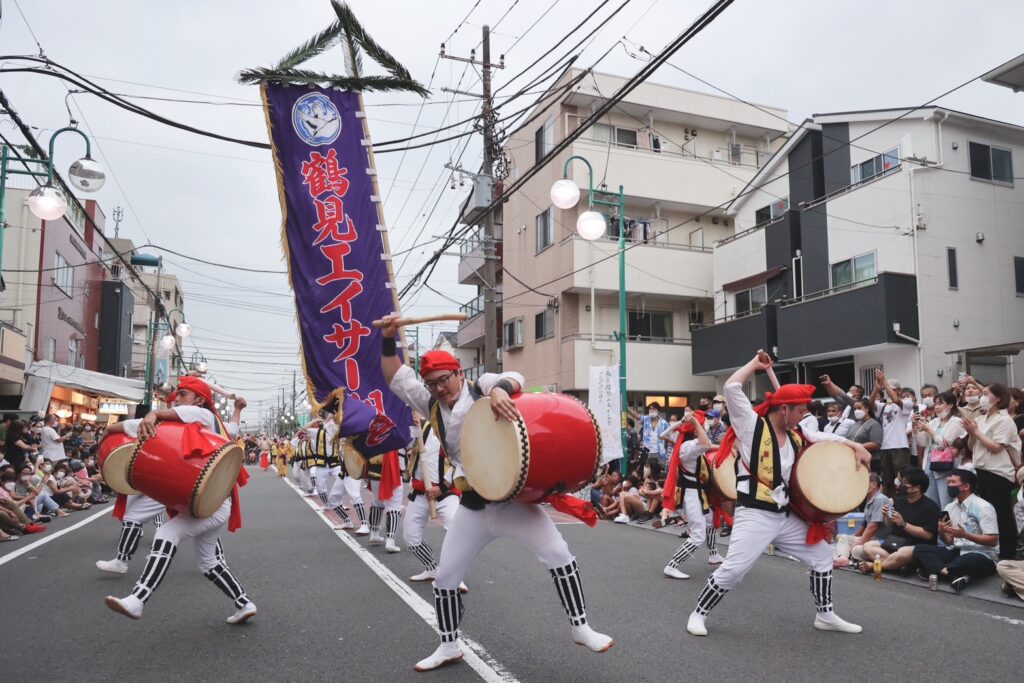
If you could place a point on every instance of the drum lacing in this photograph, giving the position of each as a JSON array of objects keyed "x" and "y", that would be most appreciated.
[
  {"x": 131, "y": 463},
  {"x": 524, "y": 462},
  {"x": 600, "y": 446},
  {"x": 202, "y": 476}
]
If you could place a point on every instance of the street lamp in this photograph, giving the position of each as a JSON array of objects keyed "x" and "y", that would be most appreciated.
[
  {"x": 591, "y": 225},
  {"x": 167, "y": 342},
  {"x": 47, "y": 202}
]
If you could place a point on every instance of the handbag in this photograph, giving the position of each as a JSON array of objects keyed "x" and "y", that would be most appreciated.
[{"x": 941, "y": 459}]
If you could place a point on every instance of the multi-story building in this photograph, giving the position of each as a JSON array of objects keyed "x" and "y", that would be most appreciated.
[
  {"x": 680, "y": 157},
  {"x": 886, "y": 238}
]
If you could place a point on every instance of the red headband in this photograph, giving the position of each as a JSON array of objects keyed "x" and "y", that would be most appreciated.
[
  {"x": 196, "y": 386},
  {"x": 787, "y": 395},
  {"x": 432, "y": 361}
]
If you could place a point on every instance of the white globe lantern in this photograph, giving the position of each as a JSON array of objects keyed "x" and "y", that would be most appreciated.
[
  {"x": 47, "y": 203},
  {"x": 167, "y": 342},
  {"x": 565, "y": 193},
  {"x": 87, "y": 175},
  {"x": 591, "y": 225},
  {"x": 201, "y": 367},
  {"x": 183, "y": 329}
]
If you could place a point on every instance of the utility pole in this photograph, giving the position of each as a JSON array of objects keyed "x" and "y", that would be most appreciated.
[
  {"x": 490, "y": 269},
  {"x": 118, "y": 216}
]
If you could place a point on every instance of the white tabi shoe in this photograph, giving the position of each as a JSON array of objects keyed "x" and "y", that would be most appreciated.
[
  {"x": 112, "y": 566},
  {"x": 391, "y": 546},
  {"x": 446, "y": 653},
  {"x": 346, "y": 525},
  {"x": 830, "y": 622},
  {"x": 695, "y": 625},
  {"x": 130, "y": 606},
  {"x": 376, "y": 538},
  {"x": 715, "y": 558},
  {"x": 591, "y": 639},
  {"x": 363, "y": 529},
  {"x": 243, "y": 614},
  {"x": 425, "y": 575},
  {"x": 673, "y": 573}
]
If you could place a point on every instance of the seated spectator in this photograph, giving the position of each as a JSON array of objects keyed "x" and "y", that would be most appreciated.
[
  {"x": 603, "y": 490},
  {"x": 95, "y": 479},
  {"x": 17, "y": 446},
  {"x": 13, "y": 520},
  {"x": 79, "y": 471},
  {"x": 88, "y": 436},
  {"x": 913, "y": 518},
  {"x": 852, "y": 546},
  {"x": 67, "y": 487},
  {"x": 629, "y": 500},
  {"x": 970, "y": 533},
  {"x": 996, "y": 450},
  {"x": 46, "y": 506}
]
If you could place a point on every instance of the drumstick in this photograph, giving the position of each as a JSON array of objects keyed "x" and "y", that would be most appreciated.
[
  {"x": 221, "y": 390},
  {"x": 765, "y": 358},
  {"x": 402, "y": 322},
  {"x": 429, "y": 474}
]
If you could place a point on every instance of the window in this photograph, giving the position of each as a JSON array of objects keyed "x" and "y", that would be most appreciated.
[
  {"x": 851, "y": 271},
  {"x": 991, "y": 163},
  {"x": 72, "y": 352},
  {"x": 51, "y": 349},
  {"x": 63, "y": 274},
  {"x": 954, "y": 279},
  {"x": 544, "y": 324},
  {"x": 1018, "y": 274},
  {"x": 773, "y": 210},
  {"x": 649, "y": 326},
  {"x": 513, "y": 334},
  {"x": 750, "y": 300},
  {"x": 626, "y": 137},
  {"x": 544, "y": 140},
  {"x": 876, "y": 165},
  {"x": 545, "y": 230},
  {"x": 622, "y": 137}
]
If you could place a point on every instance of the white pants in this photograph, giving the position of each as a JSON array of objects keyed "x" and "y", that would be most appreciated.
[
  {"x": 697, "y": 522},
  {"x": 472, "y": 530},
  {"x": 753, "y": 530},
  {"x": 141, "y": 509},
  {"x": 345, "y": 487},
  {"x": 392, "y": 503},
  {"x": 203, "y": 532},
  {"x": 418, "y": 513},
  {"x": 293, "y": 473},
  {"x": 323, "y": 478}
]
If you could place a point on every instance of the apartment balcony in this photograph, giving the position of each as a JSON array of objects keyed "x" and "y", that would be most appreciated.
[
  {"x": 726, "y": 344},
  {"x": 471, "y": 331},
  {"x": 674, "y": 177},
  {"x": 12, "y": 355},
  {"x": 656, "y": 365},
  {"x": 849, "y": 318},
  {"x": 662, "y": 269},
  {"x": 471, "y": 258}
]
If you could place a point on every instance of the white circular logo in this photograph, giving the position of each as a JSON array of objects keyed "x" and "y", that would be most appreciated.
[{"x": 316, "y": 120}]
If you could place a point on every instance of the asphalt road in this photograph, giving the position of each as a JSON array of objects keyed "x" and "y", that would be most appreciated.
[{"x": 326, "y": 614}]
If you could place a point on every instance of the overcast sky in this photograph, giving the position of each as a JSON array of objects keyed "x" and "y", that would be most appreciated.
[{"x": 218, "y": 200}]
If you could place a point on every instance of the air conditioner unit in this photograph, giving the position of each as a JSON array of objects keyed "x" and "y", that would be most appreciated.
[{"x": 551, "y": 388}]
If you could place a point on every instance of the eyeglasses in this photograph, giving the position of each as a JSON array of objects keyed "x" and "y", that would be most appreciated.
[{"x": 436, "y": 384}]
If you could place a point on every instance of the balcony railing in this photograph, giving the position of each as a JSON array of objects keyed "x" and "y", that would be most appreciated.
[
  {"x": 632, "y": 339},
  {"x": 476, "y": 306}
]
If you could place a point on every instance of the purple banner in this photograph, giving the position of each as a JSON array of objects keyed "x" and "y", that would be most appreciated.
[{"x": 335, "y": 249}]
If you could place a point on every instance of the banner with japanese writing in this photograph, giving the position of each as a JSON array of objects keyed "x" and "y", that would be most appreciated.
[
  {"x": 334, "y": 242},
  {"x": 604, "y": 403}
]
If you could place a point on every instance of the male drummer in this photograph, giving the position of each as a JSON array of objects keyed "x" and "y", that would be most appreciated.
[
  {"x": 445, "y": 398},
  {"x": 768, "y": 441},
  {"x": 191, "y": 403}
]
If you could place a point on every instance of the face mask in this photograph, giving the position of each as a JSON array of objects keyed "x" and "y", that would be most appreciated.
[
  {"x": 26, "y": 477},
  {"x": 850, "y": 394},
  {"x": 833, "y": 418},
  {"x": 985, "y": 402},
  {"x": 717, "y": 405},
  {"x": 47, "y": 468},
  {"x": 9, "y": 486},
  {"x": 61, "y": 474},
  {"x": 973, "y": 400},
  {"x": 953, "y": 491},
  {"x": 898, "y": 482},
  {"x": 652, "y": 413},
  {"x": 929, "y": 402},
  {"x": 859, "y": 414}
]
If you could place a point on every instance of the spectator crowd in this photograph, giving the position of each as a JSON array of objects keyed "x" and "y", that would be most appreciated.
[{"x": 944, "y": 500}]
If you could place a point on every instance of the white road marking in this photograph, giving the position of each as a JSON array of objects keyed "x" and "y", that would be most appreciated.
[
  {"x": 997, "y": 617},
  {"x": 49, "y": 537},
  {"x": 475, "y": 655}
]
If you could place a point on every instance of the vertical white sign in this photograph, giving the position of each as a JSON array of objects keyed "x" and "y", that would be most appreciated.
[{"x": 606, "y": 407}]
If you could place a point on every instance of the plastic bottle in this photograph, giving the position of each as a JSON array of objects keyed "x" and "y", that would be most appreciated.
[{"x": 878, "y": 567}]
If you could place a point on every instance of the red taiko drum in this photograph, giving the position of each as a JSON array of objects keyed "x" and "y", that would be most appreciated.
[
  {"x": 721, "y": 484},
  {"x": 187, "y": 469},
  {"x": 115, "y": 450},
  {"x": 555, "y": 447},
  {"x": 825, "y": 483}
]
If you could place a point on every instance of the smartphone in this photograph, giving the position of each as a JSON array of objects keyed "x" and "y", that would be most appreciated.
[
  {"x": 961, "y": 375},
  {"x": 916, "y": 409}
]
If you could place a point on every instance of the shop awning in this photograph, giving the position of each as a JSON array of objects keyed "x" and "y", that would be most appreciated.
[
  {"x": 43, "y": 375},
  {"x": 753, "y": 280}
]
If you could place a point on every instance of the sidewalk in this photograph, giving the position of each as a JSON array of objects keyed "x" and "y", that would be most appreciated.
[{"x": 982, "y": 589}]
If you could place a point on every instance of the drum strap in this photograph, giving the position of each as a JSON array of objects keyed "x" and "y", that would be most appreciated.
[
  {"x": 434, "y": 409},
  {"x": 766, "y": 474}
]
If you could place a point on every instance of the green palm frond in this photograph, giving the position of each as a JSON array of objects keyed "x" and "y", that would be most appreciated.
[
  {"x": 353, "y": 29},
  {"x": 307, "y": 77},
  {"x": 313, "y": 47}
]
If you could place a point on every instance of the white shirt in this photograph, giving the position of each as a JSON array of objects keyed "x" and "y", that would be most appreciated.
[
  {"x": 894, "y": 418},
  {"x": 407, "y": 386},
  {"x": 842, "y": 427},
  {"x": 50, "y": 445},
  {"x": 977, "y": 516},
  {"x": 689, "y": 455},
  {"x": 187, "y": 414}
]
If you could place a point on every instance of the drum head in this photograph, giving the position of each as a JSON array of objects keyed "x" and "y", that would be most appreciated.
[
  {"x": 355, "y": 463},
  {"x": 216, "y": 480},
  {"x": 495, "y": 453},
  {"x": 829, "y": 479},
  {"x": 115, "y": 469},
  {"x": 723, "y": 479}
]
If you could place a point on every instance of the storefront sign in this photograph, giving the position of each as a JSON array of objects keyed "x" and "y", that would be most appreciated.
[
  {"x": 61, "y": 315},
  {"x": 78, "y": 247},
  {"x": 111, "y": 408}
]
